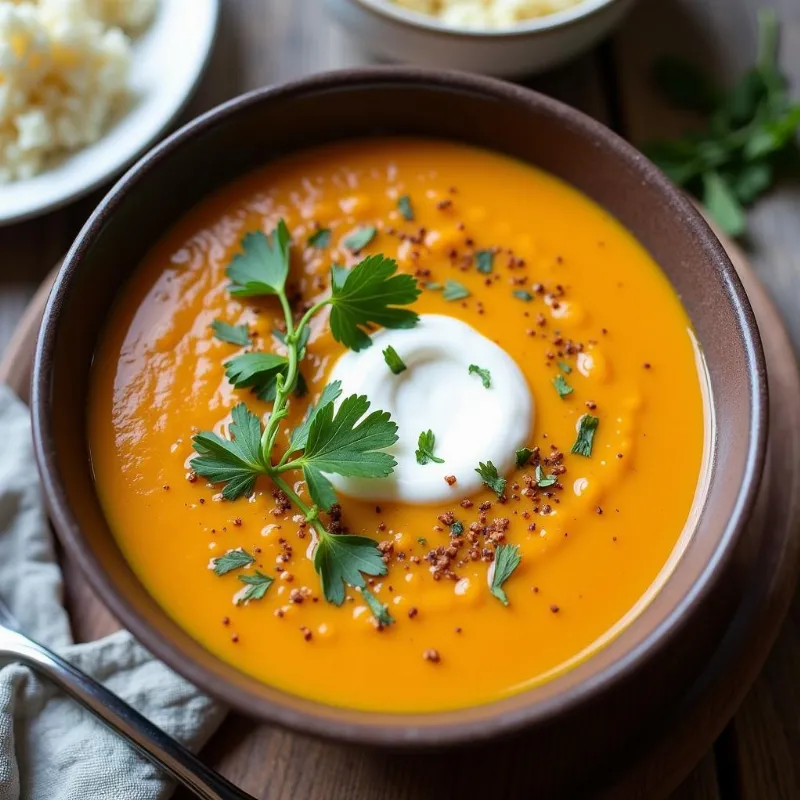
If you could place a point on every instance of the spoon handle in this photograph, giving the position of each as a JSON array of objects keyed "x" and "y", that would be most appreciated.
[{"x": 150, "y": 741}]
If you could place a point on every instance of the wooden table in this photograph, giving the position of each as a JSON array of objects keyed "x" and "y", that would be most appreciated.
[{"x": 266, "y": 41}]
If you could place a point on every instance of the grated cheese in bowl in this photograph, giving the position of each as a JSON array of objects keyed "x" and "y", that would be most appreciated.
[
  {"x": 486, "y": 14},
  {"x": 64, "y": 68}
]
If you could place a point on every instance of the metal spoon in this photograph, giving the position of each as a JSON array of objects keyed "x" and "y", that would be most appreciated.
[{"x": 115, "y": 713}]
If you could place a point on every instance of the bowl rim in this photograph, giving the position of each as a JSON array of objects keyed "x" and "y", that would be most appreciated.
[
  {"x": 416, "y": 20},
  {"x": 365, "y": 729}
]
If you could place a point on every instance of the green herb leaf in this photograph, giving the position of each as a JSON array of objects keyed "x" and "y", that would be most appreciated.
[
  {"x": 320, "y": 239},
  {"x": 425, "y": 445},
  {"x": 338, "y": 443},
  {"x": 522, "y": 294},
  {"x": 453, "y": 290},
  {"x": 379, "y": 610},
  {"x": 684, "y": 85},
  {"x": 457, "y": 528},
  {"x": 720, "y": 200},
  {"x": 300, "y": 434},
  {"x": 484, "y": 374},
  {"x": 360, "y": 238},
  {"x": 257, "y": 371},
  {"x": 422, "y": 540},
  {"x": 393, "y": 361},
  {"x": 233, "y": 559},
  {"x": 562, "y": 387},
  {"x": 257, "y": 585},
  {"x": 236, "y": 462},
  {"x": 751, "y": 131},
  {"x": 774, "y": 135},
  {"x": 544, "y": 481},
  {"x": 491, "y": 478},
  {"x": 506, "y": 560},
  {"x": 564, "y": 367},
  {"x": 338, "y": 275},
  {"x": 262, "y": 266},
  {"x": 405, "y": 208},
  {"x": 753, "y": 180},
  {"x": 586, "y": 430},
  {"x": 484, "y": 261},
  {"x": 369, "y": 295},
  {"x": 341, "y": 559},
  {"x": 523, "y": 456},
  {"x": 233, "y": 334},
  {"x": 319, "y": 488}
]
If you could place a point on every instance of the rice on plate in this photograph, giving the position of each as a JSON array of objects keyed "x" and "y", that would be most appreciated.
[{"x": 64, "y": 67}]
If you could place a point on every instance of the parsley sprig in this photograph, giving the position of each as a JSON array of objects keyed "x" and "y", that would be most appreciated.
[
  {"x": 349, "y": 440},
  {"x": 750, "y": 132}
]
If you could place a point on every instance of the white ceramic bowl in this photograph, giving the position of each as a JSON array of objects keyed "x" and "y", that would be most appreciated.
[{"x": 395, "y": 33}]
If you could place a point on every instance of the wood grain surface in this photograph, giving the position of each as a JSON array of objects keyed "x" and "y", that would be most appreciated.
[{"x": 265, "y": 41}]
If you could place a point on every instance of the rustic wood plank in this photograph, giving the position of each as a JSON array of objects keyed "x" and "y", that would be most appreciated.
[
  {"x": 763, "y": 747},
  {"x": 701, "y": 784}
]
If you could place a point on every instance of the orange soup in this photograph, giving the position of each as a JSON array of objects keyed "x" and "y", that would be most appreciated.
[{"x": 448, "y": 602}]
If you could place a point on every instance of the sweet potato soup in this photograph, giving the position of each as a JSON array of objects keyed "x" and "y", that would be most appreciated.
[{"x": 479, "y": 500}]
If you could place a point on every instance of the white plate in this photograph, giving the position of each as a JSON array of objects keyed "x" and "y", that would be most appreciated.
[{"x": 168, "y": 60}]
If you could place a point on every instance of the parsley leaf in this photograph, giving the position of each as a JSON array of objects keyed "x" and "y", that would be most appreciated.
[
  {"x": 338, "y": 443},
  {"x": 257, "y": 585},
  {"x": 360, "y": 238},
  {"x": 586, "y": 430},
  {"x": 721, "y": 201},
  {"x": 484, "y": 260},
  {"x": 257, "y": 371},
  {"x": 457, "y": 528},
  {"x": 491, "y": 478},
  {"x": 379, "y": 610},
  {"x": 425, "y": 445},
  {"x": 262, "y": 266},
  {"x": 523, "y": 456},
  {"x": 320, "y": 239},
  {"x": 562, "y": 387},
  {"x": 341, "y": 559},
  {"x": 506, "y": 560},
  {"x": 453, "y": 290},
  {"x": 405, "y": 207},
  {"x": 338, "y": 275},
  {"x": 393, "y": 361},
  {"x": 485, "y": 375},
  {"x": 522, "y": 294},
  {"x": 369, "y": 295},
  {"x": 233, "y": 559},
  {"x": 750, "y": 131},
  {"x": 544, "y": 481},
  {"x": 233, "y": 334},
  {"x": 236, "y": 462},
  {"x": 422, "y": 540},
  {"x": 300, "y": 434},
  {"x": 564, "y": 367}
]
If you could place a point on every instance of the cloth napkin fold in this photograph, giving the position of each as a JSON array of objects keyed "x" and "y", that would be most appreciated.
[{"x": 50, "y": 747}]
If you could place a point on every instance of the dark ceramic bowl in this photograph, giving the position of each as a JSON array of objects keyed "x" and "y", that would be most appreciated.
[{"x": 605, "y": 700}]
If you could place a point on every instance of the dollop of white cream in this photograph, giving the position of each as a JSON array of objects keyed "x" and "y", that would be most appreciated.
[{"x": 437, "y": 392}]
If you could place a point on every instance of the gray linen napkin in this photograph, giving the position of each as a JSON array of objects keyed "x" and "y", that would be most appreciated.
[{"x": 50, "y": 748}]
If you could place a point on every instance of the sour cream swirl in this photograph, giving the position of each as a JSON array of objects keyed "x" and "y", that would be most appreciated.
[{"x": 437, "y": 392}]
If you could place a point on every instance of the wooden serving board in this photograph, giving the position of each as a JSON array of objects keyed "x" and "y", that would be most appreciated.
[{"x": 272, "y": 763}]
